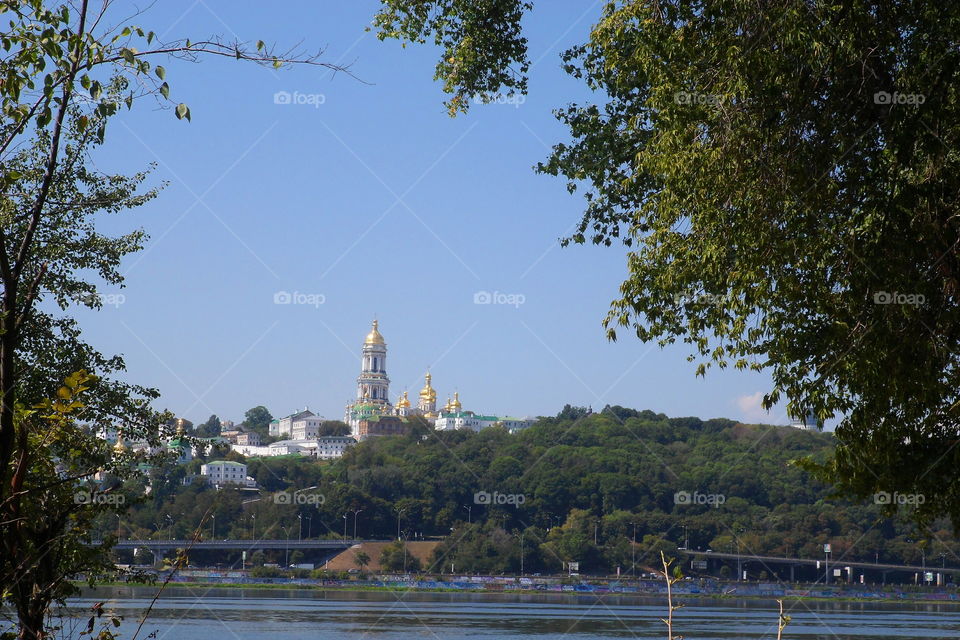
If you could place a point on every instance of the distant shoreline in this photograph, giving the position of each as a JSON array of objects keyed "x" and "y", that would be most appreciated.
[{"x": 894, "y": 597}]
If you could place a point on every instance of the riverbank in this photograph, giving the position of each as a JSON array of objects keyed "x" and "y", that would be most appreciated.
[{"x": 554, "y": 586}]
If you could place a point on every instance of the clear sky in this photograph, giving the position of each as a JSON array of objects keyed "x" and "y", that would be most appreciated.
[{"x": 369, "y": 198}]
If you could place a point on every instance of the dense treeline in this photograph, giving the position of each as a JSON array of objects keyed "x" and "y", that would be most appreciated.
[{"x": 577, "y": 487}]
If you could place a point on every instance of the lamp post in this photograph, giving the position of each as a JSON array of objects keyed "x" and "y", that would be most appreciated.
[
  {"x": 469, "y": 509},
  {"x": 344, "y": 528},
  {"x": 356, "y": 512},
  {"x": 253, "y": 526},
  {"x": 521, "y": 552},
  {"x": 300, "y": 527},
  {"x": 399, "y": 513},
  {"x": 633, "y": 549},
  {"x": 213, "y": 526}
]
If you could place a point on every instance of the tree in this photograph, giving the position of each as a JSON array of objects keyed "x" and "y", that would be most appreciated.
[
  {"x": 781, "y": 177},
  {"x": 258, "y": 419},
  {"x": 361, "y": 559},
  {"x": 209, "y": 429},
  {"x": 334, "y": 428},
  {"x": 67, "y": 70}
]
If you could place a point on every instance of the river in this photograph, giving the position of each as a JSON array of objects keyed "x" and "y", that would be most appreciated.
[{"x": 204, "y": 613}]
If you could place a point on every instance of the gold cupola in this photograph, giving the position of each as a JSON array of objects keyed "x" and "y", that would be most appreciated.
[
  {"x": 455, "y": 405},
  {"x": 428, "y": 393},
  {"x": 403, "y": 402},
  {"x": 119, "y": 447},
  {"x": 374, "y": 336}
]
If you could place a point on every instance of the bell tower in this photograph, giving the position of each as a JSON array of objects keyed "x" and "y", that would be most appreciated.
[{"x": 373, "y": 385}]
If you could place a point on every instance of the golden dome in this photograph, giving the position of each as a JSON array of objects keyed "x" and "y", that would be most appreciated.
[
  {"x": 455, "y": 405},
  {"x": 403, "y": 402},
  {"x": 119, "y": 447},
  {"x": 181, "y": 429},
  {"x": 428, "y": 393},
  {"x": 374, "y": 336}
]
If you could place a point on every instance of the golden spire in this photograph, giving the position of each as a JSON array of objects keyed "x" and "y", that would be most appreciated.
[
  {"x": 180, "y": 428},
  {"x": 119, "y": 447},
  {"x": 403, "y": 402},
  {"x": 374, "y": 336},
  {"x": 446, "y": 407},
  {"x": 428, "y": 393},
  {"x": 455, "y": 405}
]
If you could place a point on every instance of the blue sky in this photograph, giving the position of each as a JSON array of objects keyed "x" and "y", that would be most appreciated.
[{"x": 369, "y": 198}]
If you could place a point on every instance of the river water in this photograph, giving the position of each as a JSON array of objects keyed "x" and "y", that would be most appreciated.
[{"x": 203, "y": 613}]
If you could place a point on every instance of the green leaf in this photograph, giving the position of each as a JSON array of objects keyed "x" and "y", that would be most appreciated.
[
  {"x": 161, "y": 72},
  {"x": 183, "y": 111}
]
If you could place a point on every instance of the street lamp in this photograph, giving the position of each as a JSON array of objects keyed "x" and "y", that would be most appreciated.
[
  {"x": 356, "y": 512},
  {"x": 399, "y": 513},
  {"x": 633, "y": 549},
  {"x": 253, "y": 526},
  {"x": 300, "y": 531},
  {"x": 286, "y": 558},
  {"x": 344, "y": 528},
  {"x": 521, "y": 552},
  {"x": 213, "y": 526},
  {"x": 469, "y": 509}
]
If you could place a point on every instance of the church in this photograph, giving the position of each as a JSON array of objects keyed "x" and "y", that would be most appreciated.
[{"x": 372, "y": 414}]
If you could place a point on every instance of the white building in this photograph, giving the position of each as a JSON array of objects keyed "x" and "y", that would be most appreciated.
[
  {"x": 330, "y": 447},
  {"x": 298, "y": 426},
  {"x": 325, "y": 448},
  {"x": 224, "y": 472},
  {"x": 453, "y": 417}
]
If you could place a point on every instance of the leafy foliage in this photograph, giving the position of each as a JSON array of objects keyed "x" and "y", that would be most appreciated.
[{"x": 786, "y": 179}]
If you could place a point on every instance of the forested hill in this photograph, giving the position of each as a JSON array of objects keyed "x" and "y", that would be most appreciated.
[
  {"x": 579, "y": 486},
  {"x": 603, "y": 473}
]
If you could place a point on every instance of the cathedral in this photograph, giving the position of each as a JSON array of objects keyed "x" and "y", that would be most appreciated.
[{"x": 372, "y": 414}]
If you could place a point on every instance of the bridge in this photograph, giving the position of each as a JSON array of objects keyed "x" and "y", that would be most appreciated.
[
  {"x": 161, "y": 547},
  {"x": 834, "y": 563}
]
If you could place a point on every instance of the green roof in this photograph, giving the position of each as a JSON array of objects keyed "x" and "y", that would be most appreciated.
[{"x": 229, "y": 463}]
